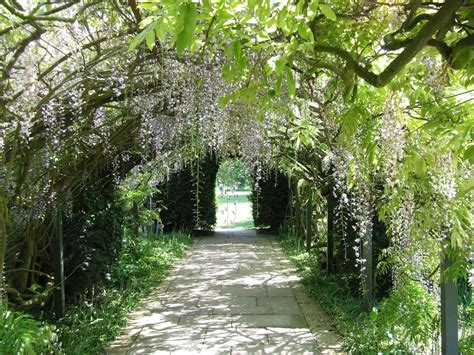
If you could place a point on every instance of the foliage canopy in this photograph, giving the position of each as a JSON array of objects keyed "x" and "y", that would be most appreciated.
[{"x": 369, "y": 100}]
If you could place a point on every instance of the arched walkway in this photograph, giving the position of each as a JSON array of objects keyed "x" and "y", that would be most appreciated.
[{"x": 235, "y": 292}]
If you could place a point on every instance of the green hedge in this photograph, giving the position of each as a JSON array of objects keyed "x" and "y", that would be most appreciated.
[
  {"x": 93, "y": 234},
  {"x": 188, "y": 198},
  {"x": 270, "y": 200}
]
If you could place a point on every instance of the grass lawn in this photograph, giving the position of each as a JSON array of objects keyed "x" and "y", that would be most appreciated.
[{"x": 234, "y": 210}]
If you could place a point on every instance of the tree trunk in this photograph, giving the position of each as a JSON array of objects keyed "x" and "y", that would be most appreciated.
[{"x": 21, "y": 278}]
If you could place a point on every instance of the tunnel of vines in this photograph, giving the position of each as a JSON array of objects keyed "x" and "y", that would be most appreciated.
[{"x": 354, "y": 121}]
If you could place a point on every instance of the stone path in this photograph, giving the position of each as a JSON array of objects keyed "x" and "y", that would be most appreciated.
[{"x": 235, "y": 293}]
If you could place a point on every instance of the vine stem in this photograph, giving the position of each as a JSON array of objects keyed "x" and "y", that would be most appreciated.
[{"x": 4, "y": 211}]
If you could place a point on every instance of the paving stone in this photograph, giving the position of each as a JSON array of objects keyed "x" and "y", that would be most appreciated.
[
  {"x": 249, "y": 350},
  {"x": 209, "y": 320},
  {"x": 280, "y": 291},
  {"x": 188, "y": 311},
  {"x": 291, "y": 347},
  {"x": 178, "y": 338},
  {"x": 224, "y": 339},
  {"x": 233, "y": 294},
  {"x": 281, "y": 305},
  {"x": 292, "y": 340},
  {"x": 222, "y": 311},
  {"x": 241, "y": 291},
  {"x": 243, "y": 301},
  {"x": 238, "y": 310},
  {"x": 263, "y": 321},
  {"x": 213, "y": 300}
]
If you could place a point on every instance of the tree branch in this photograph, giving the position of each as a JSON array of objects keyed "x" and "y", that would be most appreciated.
[{"x": 419, "y": 41}]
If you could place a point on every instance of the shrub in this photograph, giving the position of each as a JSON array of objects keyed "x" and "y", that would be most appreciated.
[
  {"x": 21, "y": 334},
  {"x": 407, "y": 321},
  {"x": 93, "y": 235}
]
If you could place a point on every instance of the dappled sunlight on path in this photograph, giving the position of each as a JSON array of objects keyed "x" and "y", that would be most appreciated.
[{"x": 236, "y": 293}]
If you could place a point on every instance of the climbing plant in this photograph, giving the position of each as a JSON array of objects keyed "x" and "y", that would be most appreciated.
[
  {"x": 367, "y": 102},
  {"x": 395, "y": 132}
]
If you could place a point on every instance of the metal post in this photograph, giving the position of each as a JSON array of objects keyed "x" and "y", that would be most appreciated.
[
  {"x": 309, "y": 221},
  {"x": 331, "y": 203},
  {"x": 58, "y": 264},
  {"x": 368, "y": 270},
  {"x": 449, "y": 312}
]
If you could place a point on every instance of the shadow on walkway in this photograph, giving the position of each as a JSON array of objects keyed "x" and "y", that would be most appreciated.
[{"x": 235, "y": 292}]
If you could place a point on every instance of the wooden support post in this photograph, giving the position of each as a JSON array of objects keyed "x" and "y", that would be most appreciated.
[
  {"x": 449, "y": 313},
  {"x": 331, "y": 204},
  {"x": 309, "y": 221},
  {"x": 297, "y": 216},
  {"x": 58, "y": 264},
  {"x": 289, "y": 216},
  {"x": 367, "y": 255}
]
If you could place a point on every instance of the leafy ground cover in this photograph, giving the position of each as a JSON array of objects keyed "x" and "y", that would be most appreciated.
[
  {"x": 405, "y": 322},
  {"x": 20, "y": 333},
  {"x": 88, "y": 327}
]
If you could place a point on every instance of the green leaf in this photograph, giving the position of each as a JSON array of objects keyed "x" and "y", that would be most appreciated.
[
  {"x": 237, "y": 50},
  {"x": 235, "y": 70},
  {"x": 327, "y": 11},
  {"x": 227, "y": 72},
  {"x": 260, "y": 116},
  {"x": 239, "y": 57},
  {"x": 263, "y": 11},
  {"x": 276, "y": 64},
  {"x": 305, "y": 32},
  {"x": 160, "y": 30},
  {"x": 349, "y": 122},
  {"x": 224, "y": 100},
  {"x": 419, "y": 165},
  {"x": 291, "y": 83},
  {"x": 251, "y": 4},
  {"x": 282, "y": 17},
  {"x": 313, "y": 9},
  {"x": 147, "y": 6},
  {"x": 35, "y": 287},
  {"x": 139, "y": 39},
  {"x": 374, "y": 314},
  {"x": 469, "y": 154},
  {"x": 150, "y": 39},
  {"x": 207, "y": 5},
  {"x": 465, "y": 188},
  {"x": 188, "y": 19},
  {"x": 300, "y": 7},
  {"x": 457, "y": 234}
]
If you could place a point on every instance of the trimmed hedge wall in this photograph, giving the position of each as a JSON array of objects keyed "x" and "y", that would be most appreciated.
[
  {"x": 269, "y": 200},
  {"x": 187, "y": 189}
]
